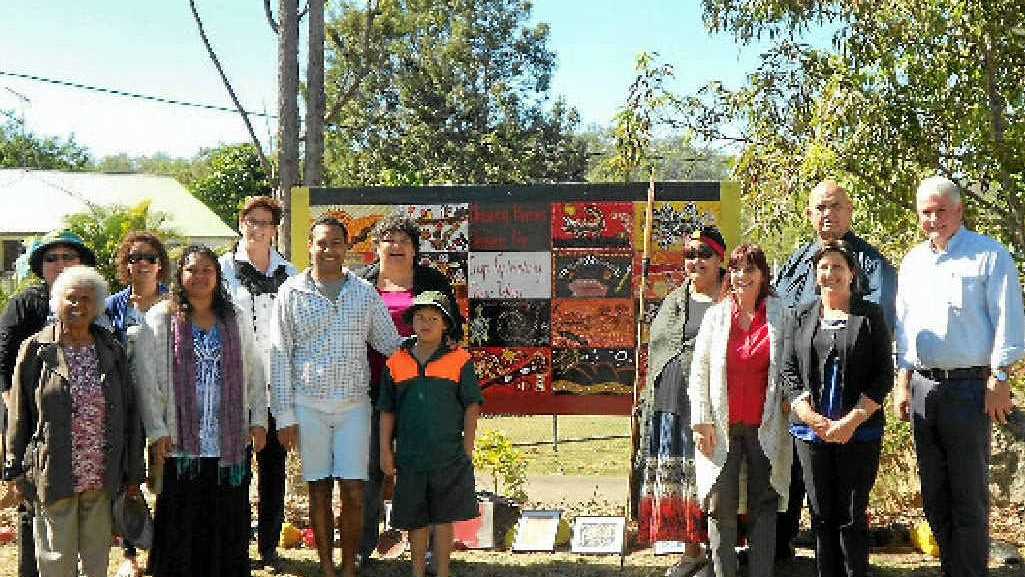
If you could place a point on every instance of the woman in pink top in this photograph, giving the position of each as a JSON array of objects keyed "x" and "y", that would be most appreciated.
[{"x": 398, "y": 278}]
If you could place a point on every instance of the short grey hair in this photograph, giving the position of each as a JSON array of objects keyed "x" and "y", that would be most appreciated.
[
  {"x": 80, "y": 276},
  {"x": 938, "y": 186}
]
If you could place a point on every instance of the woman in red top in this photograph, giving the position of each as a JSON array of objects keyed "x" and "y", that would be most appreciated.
[{"x": 737, "y": 414}]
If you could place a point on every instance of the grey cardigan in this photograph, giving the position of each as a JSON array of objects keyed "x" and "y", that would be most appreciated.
[{"x": 154, "y": 365}]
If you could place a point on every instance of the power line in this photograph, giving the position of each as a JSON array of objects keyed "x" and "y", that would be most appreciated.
[{"x": 116, "y": 92}]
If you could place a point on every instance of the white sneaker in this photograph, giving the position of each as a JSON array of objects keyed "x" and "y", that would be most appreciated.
[{"x": 686, "y": 567}]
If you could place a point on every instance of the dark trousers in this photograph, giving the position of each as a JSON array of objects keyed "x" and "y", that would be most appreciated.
[
  {"x": 839, "y": 479},
  {"x": 372, "y": 503},
  {"x": 271, "y": 491},
  {"x": 789, "y": 522},
  {"x": 952, "y": 440},
  {"x": 26, "y": 545},
  {"x": 724, "y": 502}
]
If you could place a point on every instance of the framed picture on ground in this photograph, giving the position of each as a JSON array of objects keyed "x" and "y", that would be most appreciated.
[
  {"x": 598, "y": 535},
  {"x": 536, "y": 531},
  {"x": 668, "y": 547}
]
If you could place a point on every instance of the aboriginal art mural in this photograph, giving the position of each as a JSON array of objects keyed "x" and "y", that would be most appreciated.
[{"x": 546, "y": 276}]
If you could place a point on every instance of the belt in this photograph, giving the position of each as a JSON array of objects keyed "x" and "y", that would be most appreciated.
[{"x": 962, "y": 374}]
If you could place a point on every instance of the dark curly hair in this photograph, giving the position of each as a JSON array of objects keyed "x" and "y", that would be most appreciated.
[
  {"x": 180, "y": 300},
  {"x": 397, "y": 222},
  {"x": 150, "y": 238},
  {"x": 844, "y": 250},
  {"x": 749, "y": 254}
]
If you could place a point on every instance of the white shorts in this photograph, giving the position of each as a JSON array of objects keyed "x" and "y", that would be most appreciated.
[{"x": 334, "y": 445}]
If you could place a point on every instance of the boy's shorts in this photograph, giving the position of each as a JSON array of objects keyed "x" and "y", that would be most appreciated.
[
  {"x": 443, "y": 495},
  {"x": 334, "y": 445}
]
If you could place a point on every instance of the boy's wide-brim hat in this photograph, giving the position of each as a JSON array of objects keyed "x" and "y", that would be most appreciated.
[
  {"x": 434, "y": 299},
  {"x": 54, "y": 238},
  {"x": 132, "y": 520}
]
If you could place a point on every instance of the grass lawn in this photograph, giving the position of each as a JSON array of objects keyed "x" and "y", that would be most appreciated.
[{"x": 606, "y": 458}]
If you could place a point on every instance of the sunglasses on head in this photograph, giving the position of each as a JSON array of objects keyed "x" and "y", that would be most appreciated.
[
  {"x": 703, "y": 253},
  {"x": 61, "y": 256},
  {"x": 150, "y": 258}
]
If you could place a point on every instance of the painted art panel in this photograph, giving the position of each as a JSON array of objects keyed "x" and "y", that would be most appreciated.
[
  {"x": 450, "y": 264},
  {"x": 499, "y": 275},
  {"x": 359, "y": 220},
  {"x": 592, "y": 224},
  {"x": 663, "y": 277},
  {"x": 443, "y": 227},
  {"x": 509, "y": 322},
  {"x": 674, "y": 221},
  {"x": 510, "y": 226},
  {"x": 591, "y": 274},
  {"x": 513, "y": 371},
  {"x": 593, "y": 371},
  {"x": 592, "y": 323}
]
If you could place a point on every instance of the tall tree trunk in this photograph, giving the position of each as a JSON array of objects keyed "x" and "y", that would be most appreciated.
[
  {"x": 313, "y": 170},
  {"x": 288, "y": 114}
]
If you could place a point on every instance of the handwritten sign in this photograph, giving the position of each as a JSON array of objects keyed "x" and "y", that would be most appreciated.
[
  {"x": 495, "y": 275},
  {"x": 510, "y": 226}
]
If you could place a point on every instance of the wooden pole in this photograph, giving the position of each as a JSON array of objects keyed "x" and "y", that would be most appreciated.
[{"x": 649, "y": 210}]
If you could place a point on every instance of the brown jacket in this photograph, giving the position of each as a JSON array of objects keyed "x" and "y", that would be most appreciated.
[{"x": 39, "y": 427}]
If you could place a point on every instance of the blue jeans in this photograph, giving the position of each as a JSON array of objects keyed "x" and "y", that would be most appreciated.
[{"x": 952, "y": 440}]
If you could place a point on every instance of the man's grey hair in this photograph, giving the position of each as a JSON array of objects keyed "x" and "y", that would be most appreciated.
[
  {"x": 938, "y": 186},
  {"x": 80, "y": 276}
]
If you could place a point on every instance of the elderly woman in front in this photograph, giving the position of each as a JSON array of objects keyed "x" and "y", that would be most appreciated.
[
  {"x": 737, "y": 414},
  {"x": 204, "y": 398},
  {"x": 74, "y": 436}
]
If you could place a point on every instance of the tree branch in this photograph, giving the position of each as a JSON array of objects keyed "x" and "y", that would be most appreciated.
[
  {"x": 346, "y": 95},
  {"x": 270, "y": 16},
  {"x": 227, "y": 85}
]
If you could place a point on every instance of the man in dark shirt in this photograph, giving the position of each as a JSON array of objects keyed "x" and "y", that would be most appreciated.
[{"x": 829, "y": 211}]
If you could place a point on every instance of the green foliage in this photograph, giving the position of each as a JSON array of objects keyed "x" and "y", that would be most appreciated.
[
  {"x": 905, "y": 89},
  {"x": 103, "y": 227},
  {"x": 676, "y": 158},
  {"x": 495, "y": 453},
  {"x": 20, "y": 148},
  {"x": 448, "y": 92},
  {"x": 183, "y": 170},
  {"x": 227, "y": 176}
]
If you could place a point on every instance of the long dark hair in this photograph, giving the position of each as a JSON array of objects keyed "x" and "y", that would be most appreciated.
[
  {"x": 180, "y": 300},
  {"x": 749, "y": 254}
]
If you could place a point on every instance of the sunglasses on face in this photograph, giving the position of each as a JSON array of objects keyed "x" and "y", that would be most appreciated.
[
  {"x": 150, "y": 258},
  {"x": 61, "y": 256},
  {"x": 254, "y": 223},
  {"x": 703, "y": 253}
]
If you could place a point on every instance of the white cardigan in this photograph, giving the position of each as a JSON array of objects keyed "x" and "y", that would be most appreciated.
[
  {"x": 153, "y": 363},
  {"x": 709, "y": 402}
]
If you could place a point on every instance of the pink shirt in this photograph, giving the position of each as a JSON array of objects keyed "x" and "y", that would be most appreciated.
[{"x": 397, "y": 302}]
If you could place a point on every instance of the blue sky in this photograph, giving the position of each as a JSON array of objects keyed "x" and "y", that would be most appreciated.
[{"x": 152, "y": 48}]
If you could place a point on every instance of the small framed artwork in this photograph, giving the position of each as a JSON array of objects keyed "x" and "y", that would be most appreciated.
[
  {"x": 477, "y": 533},
  {"x": 669, "y": 547},
  {"x": 536, "y": 531},
  {"x": 598, "y": 535}
]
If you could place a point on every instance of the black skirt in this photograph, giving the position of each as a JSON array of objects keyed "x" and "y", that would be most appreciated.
[{"x": 201, "y": 523}]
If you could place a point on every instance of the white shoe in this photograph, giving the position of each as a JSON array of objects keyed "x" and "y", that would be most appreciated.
[{"x": 686, "y": 567}]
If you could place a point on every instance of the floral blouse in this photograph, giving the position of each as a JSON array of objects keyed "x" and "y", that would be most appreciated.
[
  {"x": 207, "y": 347},
  {"x": 88, "y": 418}
]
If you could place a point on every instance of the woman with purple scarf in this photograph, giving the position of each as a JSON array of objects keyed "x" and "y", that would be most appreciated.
[{"x": 203, "y": 403}]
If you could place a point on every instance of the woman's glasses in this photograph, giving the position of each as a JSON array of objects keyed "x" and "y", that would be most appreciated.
[
  {"x": 703, "y": 253},
  {"x": 150, "y": 258},
  {"x": 62, "y": 257}
]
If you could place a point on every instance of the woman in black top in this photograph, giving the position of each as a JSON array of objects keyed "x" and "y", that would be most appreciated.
[{"x": 837, "y": 371}]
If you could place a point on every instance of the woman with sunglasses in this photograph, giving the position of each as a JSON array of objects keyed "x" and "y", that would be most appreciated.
[
  {"x": 204, "y": 402},
  {"x": 668, "y": 505},
  {"x": 143, "y": 265},
  {"x": 836, "y": 372},
  {"x": 737, "y": 414}
]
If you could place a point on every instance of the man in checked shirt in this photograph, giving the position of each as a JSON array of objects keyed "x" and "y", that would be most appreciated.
[{"x": 322, "y": 321}]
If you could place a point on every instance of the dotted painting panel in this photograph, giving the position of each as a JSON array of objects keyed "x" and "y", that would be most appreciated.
[
  {"x": 592, "y": 323},
  {"x": 592, "y": 274},
  {"x": 673, "y": 221},
  {"x": 592, "y": 224},
  {"x": 513, "y": 371},
  {"x": 359, "y": 220},
  {"x": 443, "y": 227},
  {"x": 510, "y": 322},
  {"x": 593, "y": 371}
]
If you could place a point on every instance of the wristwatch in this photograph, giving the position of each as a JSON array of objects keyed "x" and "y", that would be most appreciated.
[{"x": 1000, "y": 375}]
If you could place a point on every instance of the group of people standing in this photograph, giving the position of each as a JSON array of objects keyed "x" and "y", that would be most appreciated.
[
  {"x": 759, "y": 391},
  {"x": 213, "y": 360}
]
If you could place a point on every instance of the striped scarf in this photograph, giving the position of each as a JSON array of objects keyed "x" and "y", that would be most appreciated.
[{"x": 232, "y": 411}]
